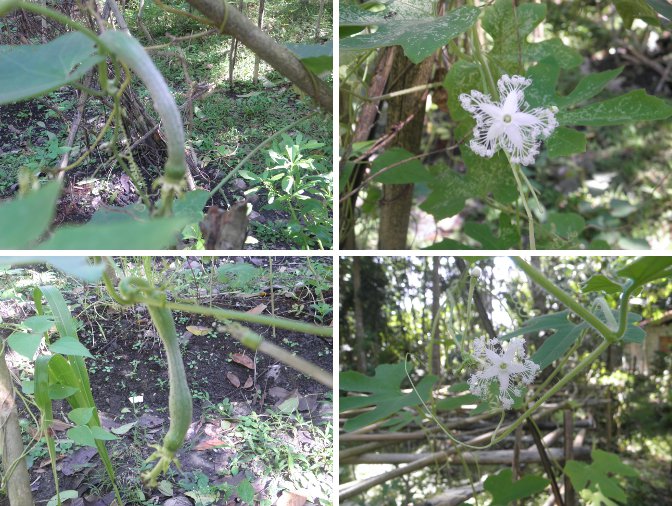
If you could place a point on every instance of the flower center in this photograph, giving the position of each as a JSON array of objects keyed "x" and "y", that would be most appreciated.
[
  {"x": 503, "y": 366},
  {"x": 507, "y": 118}
]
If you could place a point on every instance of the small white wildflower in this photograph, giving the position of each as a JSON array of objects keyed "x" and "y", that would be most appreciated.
[
  {"x": 475, "y": 271},
  {"x": 509, "y": 124},
  {"x": 510, "y": 368}
]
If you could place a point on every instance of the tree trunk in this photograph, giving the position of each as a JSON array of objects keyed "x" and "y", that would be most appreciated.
[
  {"x": 360, "y": 334},
  {"x": 11, "y": 444},
  {"x": 395, "y": 205},
  {"x": 260, "y": 22}
]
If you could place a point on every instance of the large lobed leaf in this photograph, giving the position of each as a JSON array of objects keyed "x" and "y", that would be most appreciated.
[
  {"x": 484, "y": 176},
  {"x": 419, "y": 37},
  {"x": 385, "y": 394},
  {"x": 504, "y": 489},
  {"x": 35, "y": 70}
]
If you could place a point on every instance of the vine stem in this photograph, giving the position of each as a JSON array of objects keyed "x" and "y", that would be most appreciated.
[
  {"x": 555, "y": 388},
  {"x": 536, "y": 276}
]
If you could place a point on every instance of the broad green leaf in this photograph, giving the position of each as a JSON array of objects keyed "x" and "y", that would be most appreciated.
[
  {"x": 102, "y": 434},
  {"x": 385, "y": 393},
  {"x": 412, "y": 171},
  {"x": 456, "y": 402},
  {"x": 24, "y": 220},
  {"x": 631, "y": 9},
  {"x": 508, "y": 237},
  {"x": 589, "y": 86},
  {"x": 78, "y": 267},
  {"x": 38, "y": 324},
  {"x": 565, "y": 225},
  {"x": 600, "y": 283},
  {"x": 317, "y": 57},
  {"x": 82, "y": 435},
  {"x": 190, "y": 205},
  {"x": 245, "y": 491},
  {"x": 25, "y": 344},
  {"x": 597, "y": 477},
  {"x": 628, "y": 108},
  {"x": 126, "y": 234},
  {"x": 59, "y": 392},
  {"x": 663, "y": 7},
  {"x": 70, "y": 346},
  {"x": 484, "y": 176},
  {"x": 544, "y": 76},
  {"x": 647, "y": 269},
  {"x": 81, "y": 416},
  {"x": 555, "y": 346},
  {"x": 447, "y": 244},
  {"x": 35, "y": 70},
  {"x": 418, "y": 37},
  {"x": 64, "y": 495},
  {"x": 509, "y": 30},
  {"x": 504, "y": 490},
  {"x": 566, "y": 142}
]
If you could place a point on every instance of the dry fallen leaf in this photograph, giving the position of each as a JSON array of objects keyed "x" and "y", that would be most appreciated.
[
  {"x": 197, "y": 330},
  {"x": 249, "y": 382},
  {"x": 235, "y": 381},
  {"x": 258, "y": 309},
  {"x": 290, "y": 499},
  {"x": 243, "y": 360},
  {"x": 209, "y": 444}
]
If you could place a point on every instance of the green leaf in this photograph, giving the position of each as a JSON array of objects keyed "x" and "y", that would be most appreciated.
[
  {"x": 70, "y": 346},
  {"x": 647, "y": 269},
  {"x": 35, "y": 70},
  {"x": 509, "y": 30},
  {"x": 64, "y": 495},
  {"x": 419, "y": 37},
  {"x": 59, "y": 392},
  {"x": 462, "y": 77},
  {"x": 124, "y": 234},
  {"x": 589, "y": 86},
  {"x": 628, "y": 108},
  {"x": 245, "y": 492},
  {"x": 317, "y": 57},
  {"x": 190, "y": 205},
  {"x": 633, "y": 333},
  {"x": 24, "y": 220},
  {"x": 238, "y": 275},
  {"x": 82, "y": 435},
  {"x": 567, "y": 57},
  {"x": 81, "y": 416},
  {"x": 484, "y": 176},
  {"x": 663, "y": 7},
  {"x": 38, "y": 323},
  {"x": 631, "y": 9},
  {"x": 508, "y": 237},
  {"x": 25, "y": 344},
  {"x": 102, "y": 434},
  {"x": 597, "y": 478},
  {"x": 385, "y": 393},
  {"x": 544, "y": 76},
  {"x": 566, "y": 225},
  {"x": 412, "y": 171},
  {"x": 600, "y": 283},
  {"x": 76, "y": 266},
  {"x": 504, "y": 490},
  {"x": 456, "y": 402},
  {"x": 555, "y": 346},
  {"x": 566, "y": 142}
]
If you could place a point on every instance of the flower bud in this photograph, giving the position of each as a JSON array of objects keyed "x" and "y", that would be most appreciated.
[{"x": 475, "y": 272}]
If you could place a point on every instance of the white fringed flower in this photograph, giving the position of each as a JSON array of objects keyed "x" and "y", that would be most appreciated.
[
  {"x": 510, "y": 368},
  {"x": 509, "y": 124}
]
